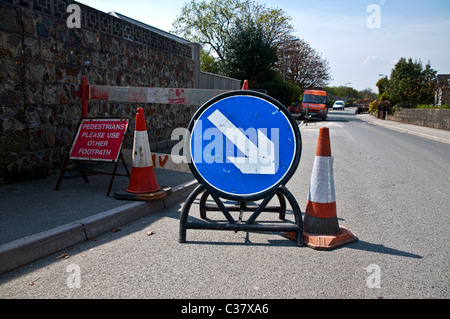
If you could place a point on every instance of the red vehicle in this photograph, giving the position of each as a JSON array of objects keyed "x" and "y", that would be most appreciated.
[
  {"x": 314, "y": 104},
  {"x": 294, "y": 109},
  {"x": 362, "y": 106}
]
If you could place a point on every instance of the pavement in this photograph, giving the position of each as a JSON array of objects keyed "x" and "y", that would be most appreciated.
[
  {"x": 37, "y": 220},
  {"x": 422, "y": 131}
]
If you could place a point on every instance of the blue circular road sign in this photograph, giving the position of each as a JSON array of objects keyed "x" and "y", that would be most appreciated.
[{"x": 243, "y": 145}]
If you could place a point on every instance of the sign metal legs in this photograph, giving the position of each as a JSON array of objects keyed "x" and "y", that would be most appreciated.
[{"x": 238, "y": 225}]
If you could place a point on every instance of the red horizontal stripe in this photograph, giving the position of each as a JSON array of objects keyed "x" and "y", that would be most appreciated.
[
  {"x": 322, "y": 210},
  {"x": 99, "y": 92}
]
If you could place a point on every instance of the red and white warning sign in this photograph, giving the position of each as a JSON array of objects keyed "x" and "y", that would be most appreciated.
[{"x": 99, "y": 139}]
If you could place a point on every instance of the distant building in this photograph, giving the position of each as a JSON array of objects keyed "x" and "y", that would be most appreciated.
[{"x": 442, "y": 94}]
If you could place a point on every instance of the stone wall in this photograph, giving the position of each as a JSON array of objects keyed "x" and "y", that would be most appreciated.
[
  {"x": 434, "y": 118},
  {"x": 43, "y": 62}
]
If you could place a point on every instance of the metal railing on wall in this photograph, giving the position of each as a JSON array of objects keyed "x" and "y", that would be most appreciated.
[{"x": 96, "y": 20}]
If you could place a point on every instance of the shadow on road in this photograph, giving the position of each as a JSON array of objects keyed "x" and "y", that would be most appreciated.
[{"x": 378, "y": 248}]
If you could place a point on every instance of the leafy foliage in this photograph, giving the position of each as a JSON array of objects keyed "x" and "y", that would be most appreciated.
[
  {"x": 410, "y": 84},
  {"x": 284, "y": 91},
  {"x": 250, "y": 55},
  {"x": 242, "y": 39},
  {"x": 374, "y": 106},
  {"x": 210, "y": 22}
]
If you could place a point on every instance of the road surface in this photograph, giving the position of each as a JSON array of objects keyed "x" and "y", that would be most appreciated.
[{"x": 391, "y": 191}]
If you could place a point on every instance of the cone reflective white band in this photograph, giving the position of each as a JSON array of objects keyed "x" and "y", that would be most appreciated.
[
  {"x": 142, "y": 156},
  {"x": 321, "y": 189}
]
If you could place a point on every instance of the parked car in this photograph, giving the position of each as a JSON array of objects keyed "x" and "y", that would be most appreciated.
[{"x": 339, "y": 105}]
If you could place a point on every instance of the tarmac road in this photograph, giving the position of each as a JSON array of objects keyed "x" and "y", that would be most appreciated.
[{"x": 391, "y": 191}]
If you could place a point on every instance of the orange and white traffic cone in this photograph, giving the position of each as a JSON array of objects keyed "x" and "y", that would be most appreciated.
[
  {"x": 143, "y": 184},
  {"x": 245, "y": 85},
  {"x": 320, "y": 214},
  {"x": 320, "y": 225}
]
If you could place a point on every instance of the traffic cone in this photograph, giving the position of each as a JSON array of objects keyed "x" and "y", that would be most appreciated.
[
  {"x": 321, "y": 229},
  {"x": 143, "y": 184}
]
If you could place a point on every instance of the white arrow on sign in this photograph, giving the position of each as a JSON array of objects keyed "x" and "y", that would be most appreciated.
[{"x": 259, "y": 159}]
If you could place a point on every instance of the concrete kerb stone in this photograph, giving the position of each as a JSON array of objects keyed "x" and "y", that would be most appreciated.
[
  {"x": 23, "y": 251},
  {"x": 182, "y": 191},
  {"x": 103, "y": 222}
]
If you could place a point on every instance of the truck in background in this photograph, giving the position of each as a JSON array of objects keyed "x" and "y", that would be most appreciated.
[
  {"x": 314, "y": 104},
  {"x": 362, "y": 106}
]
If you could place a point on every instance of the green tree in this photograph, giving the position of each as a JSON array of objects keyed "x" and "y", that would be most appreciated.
[
  {"x": 333, "y": 90},
  {"x": 275, "y": 23},
  {"x": 382, "y": 85},
  {"x": 349, "y": 92},
  {"x": 250, "y": 55},
  {"x": 284, "y": 91},
  {"x": 367, "y": 93},
  {"x": 410, "y": 84},
  {"x": 209, "y": 23},
  {"x": 210, "y": 64}
]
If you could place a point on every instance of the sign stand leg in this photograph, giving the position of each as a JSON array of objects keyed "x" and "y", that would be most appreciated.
[
  {"x": 64, "y": 169},
  {"x": 114, "y": 174},
  {"x": 121, "y": 157},
  {"x": 61, "y": 176},
  {"x": 282, "y": 193},
  {"x": 242, "y": 206},
  {"x": 83, "y": 174}
]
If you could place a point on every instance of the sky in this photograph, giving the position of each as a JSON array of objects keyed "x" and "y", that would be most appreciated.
[{"x": 362, "y": 40}]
